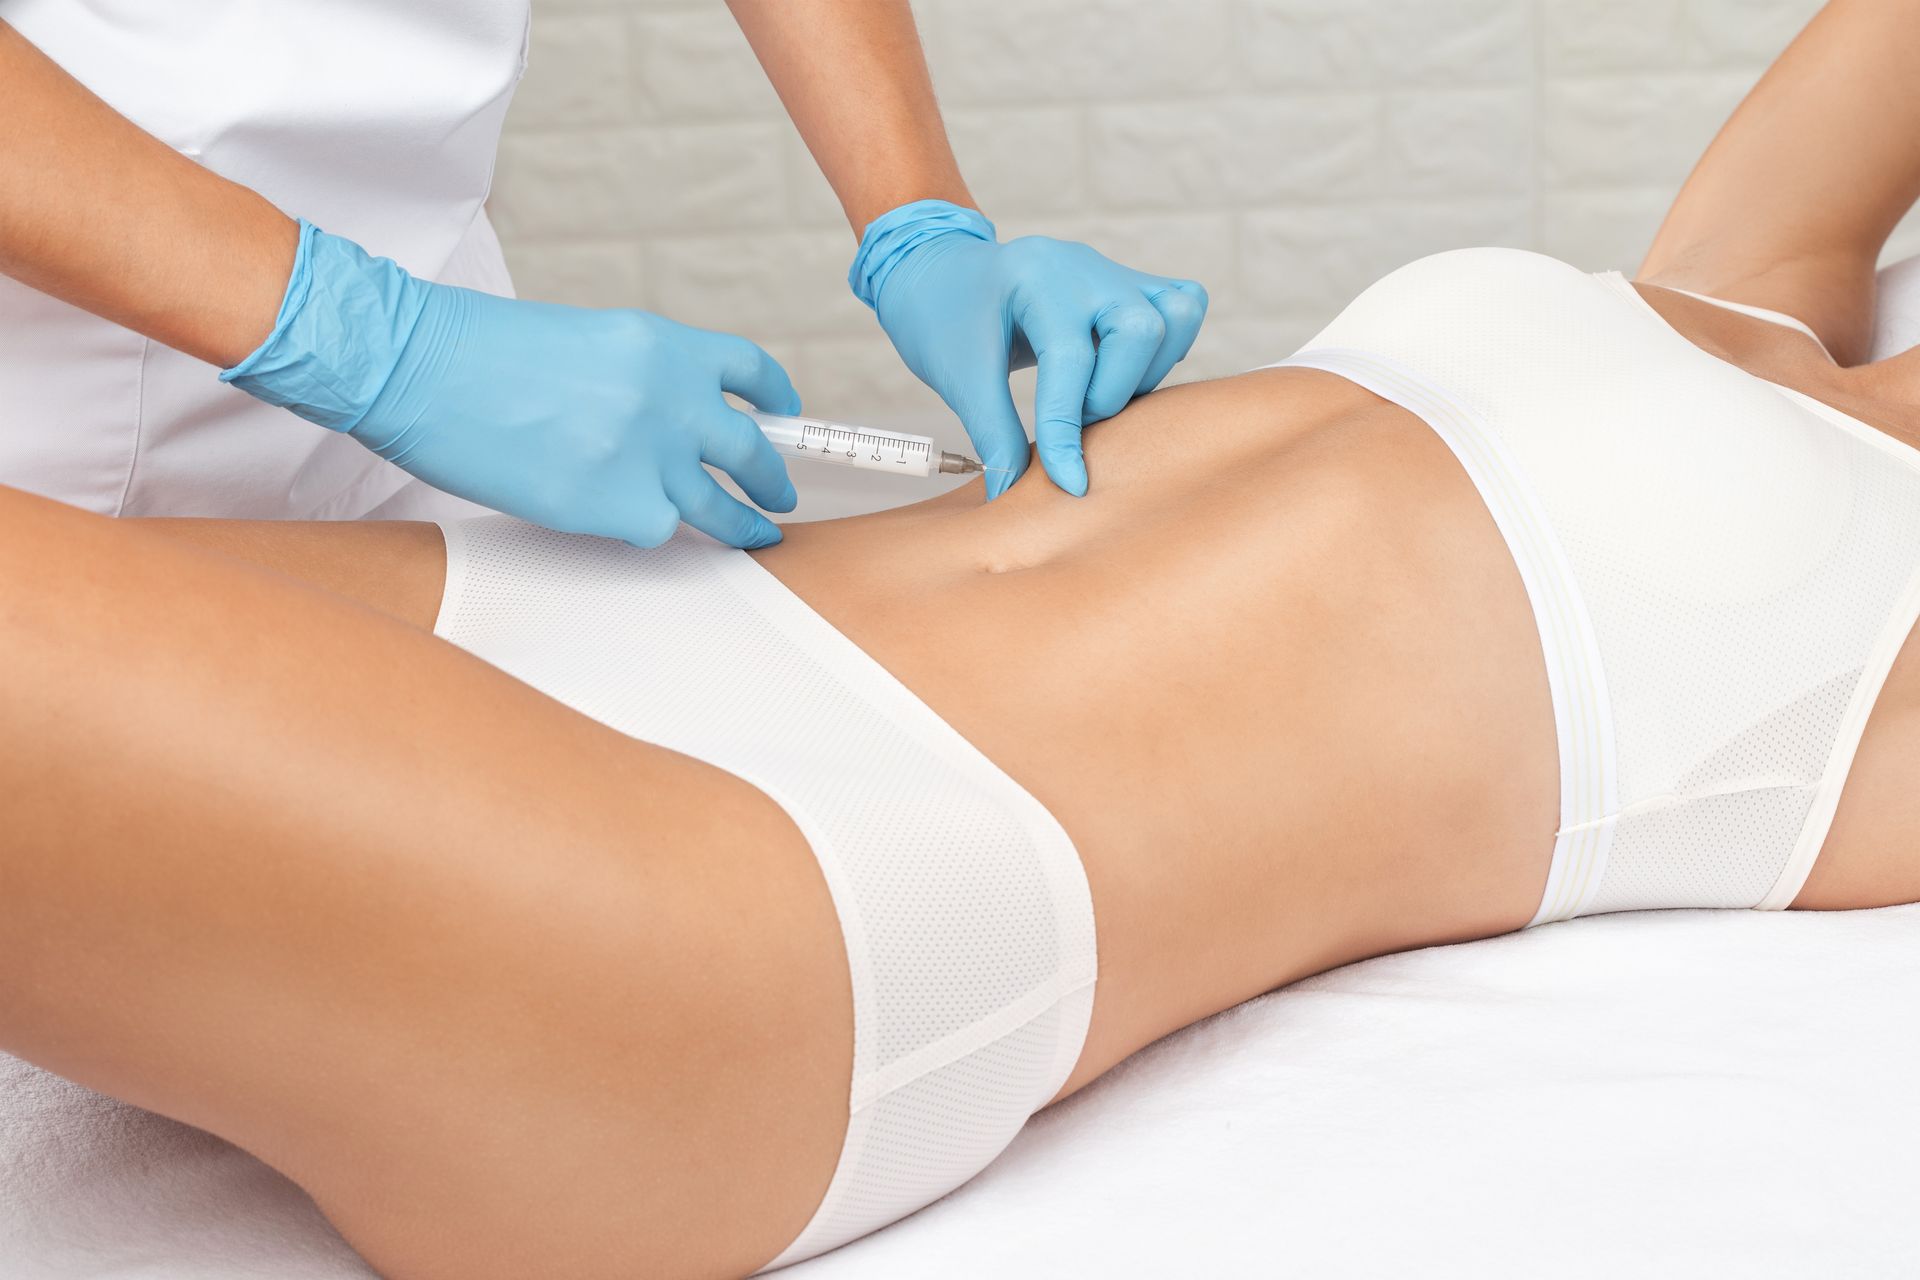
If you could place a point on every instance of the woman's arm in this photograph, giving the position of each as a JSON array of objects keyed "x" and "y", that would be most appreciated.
[
  {"x": 104, "y": 216},
  {"x": 1792, "y": 203}
]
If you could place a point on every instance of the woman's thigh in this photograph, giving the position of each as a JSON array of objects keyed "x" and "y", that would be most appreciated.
[
  {"x": 396, "y": 567},
  {"x": 509, "y": 993}
]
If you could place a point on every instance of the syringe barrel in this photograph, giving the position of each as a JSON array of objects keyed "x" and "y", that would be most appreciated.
[{"x": 894, "y": 452}]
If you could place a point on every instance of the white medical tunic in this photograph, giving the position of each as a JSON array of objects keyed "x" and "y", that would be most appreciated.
[{"x": 375, "y": 119}]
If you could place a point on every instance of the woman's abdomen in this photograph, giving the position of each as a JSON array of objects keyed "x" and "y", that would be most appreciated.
[{"x": 1275, "y": 675}]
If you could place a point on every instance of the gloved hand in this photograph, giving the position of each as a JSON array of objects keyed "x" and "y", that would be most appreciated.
[
  {"x": 964, "y": 310},
  {"x": 584, "y": 421}
]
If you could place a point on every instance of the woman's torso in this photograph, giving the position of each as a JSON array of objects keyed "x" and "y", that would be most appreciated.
[
  {"x": 1262, "y": 672},
  {"x": 1276, "y": 674},
  {"x": 378, "y": 121}
]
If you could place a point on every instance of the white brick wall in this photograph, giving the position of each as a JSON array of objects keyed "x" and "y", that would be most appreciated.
[{"x": 1285, "y": 152}]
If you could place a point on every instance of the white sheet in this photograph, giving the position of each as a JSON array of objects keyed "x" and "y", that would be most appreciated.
[
  {"x": 1661, "y": 1094},
  {"x": 1656, "y": 1094},
  {"x": 1666, "y": 1093}
]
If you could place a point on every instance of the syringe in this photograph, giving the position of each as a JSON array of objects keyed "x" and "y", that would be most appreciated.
[{"x": 894, "y": 452}]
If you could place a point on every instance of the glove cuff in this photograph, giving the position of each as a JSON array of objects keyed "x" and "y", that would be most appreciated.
[
  {"x": 890, "y": 237},
  {"x": 342, "y": 326}
]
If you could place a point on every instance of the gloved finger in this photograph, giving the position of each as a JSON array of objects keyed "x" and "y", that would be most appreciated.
[
  {"x": 647, "y": 524},
  {"x": 1064, "y": 349},
  {"x": 749, "y": 372},
  {"x": 735, "y": 445},
  {"x": 715, "y": 512},
  {"x": 1131, "y": 334},
  {"x": 985, "y": 406},
  {"x": 1182, "y": 305}
]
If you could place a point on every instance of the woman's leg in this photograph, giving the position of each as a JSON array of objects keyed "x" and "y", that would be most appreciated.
[
  {"x": 397, "y": 567},
  {"x": 509, "y": 993}
]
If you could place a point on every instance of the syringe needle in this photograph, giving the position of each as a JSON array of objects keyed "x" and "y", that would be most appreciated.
[{"x": 959, "y": 464}]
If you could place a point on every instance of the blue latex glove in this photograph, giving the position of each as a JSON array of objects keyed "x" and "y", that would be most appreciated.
[
  {"x": 964, "y": 310},
  {"x": 584, "y": 421}
]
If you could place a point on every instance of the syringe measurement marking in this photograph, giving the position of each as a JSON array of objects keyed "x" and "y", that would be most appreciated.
[{"x": 831, "y": 436}]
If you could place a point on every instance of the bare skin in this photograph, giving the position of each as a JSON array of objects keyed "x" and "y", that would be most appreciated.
[
  {"x": 460, "y": 961},
  {"x": 511, "y": 994},
  {"x": 508, "y": 991},
  {"x": 100, "y": 214}
]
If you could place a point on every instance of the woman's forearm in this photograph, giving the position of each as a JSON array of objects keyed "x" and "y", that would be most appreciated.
[
  {"x": 1797, "y": 195},
  {"x": 100, "y": 214},
  {"x": 854, "y": 79}
]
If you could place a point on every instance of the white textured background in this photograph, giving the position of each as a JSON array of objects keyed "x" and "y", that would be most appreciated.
[{"x": 1284, "y": 152}]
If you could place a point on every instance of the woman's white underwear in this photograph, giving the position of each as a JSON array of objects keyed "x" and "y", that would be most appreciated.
[
  {"x": 1722, "y": 569},
  {"x": 965, "y": 910}
]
